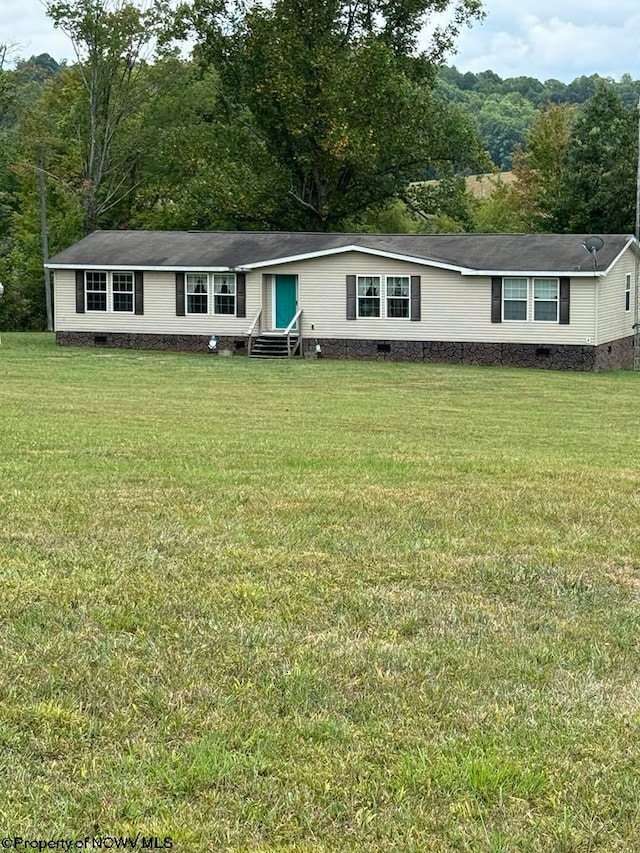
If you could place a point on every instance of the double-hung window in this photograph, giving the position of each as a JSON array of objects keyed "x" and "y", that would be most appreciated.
[
  {"x": 514, "y": 299},
  {"x": 197, "y": 293},
  {"x": 224, "y": 293},
  {"x": 535, "y": 299},
  {"x": 109, "y": 291},
  {"x": 545, "y": 299},
  {"x": 398, "y": 295},
  {"x": 96, "y": 291},
  {"x": 122, "y": 291},
  {"x": 368, "y": 295},
  {"x": 210, "y": 293}
]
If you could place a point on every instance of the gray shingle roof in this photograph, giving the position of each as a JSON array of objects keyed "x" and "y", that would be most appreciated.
[{"x": 233, "y": 249}]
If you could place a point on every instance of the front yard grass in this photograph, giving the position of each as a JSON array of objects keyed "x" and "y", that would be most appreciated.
[{"x": 317, "y": 606}]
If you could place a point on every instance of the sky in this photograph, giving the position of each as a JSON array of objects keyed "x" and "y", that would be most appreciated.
[{"x": 559, "y": 39}]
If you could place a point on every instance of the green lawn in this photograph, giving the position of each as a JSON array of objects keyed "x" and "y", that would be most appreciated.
[{"x": 318, "y": 606}]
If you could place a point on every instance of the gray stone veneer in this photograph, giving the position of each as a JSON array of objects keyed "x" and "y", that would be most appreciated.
[
  {"x": 615, "y": 355},
  {"x": 236, "y": 344},
  {"x": 610, "y": 356}
]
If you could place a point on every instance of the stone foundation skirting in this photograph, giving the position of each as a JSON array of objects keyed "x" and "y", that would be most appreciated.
[
  {"x": 227, "y": 344},
  {"x": 614, "y": 355},
  {"x": 618, "y": 354}
]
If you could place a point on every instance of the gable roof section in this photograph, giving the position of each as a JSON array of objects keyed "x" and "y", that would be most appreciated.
[{"x": 470, "y": 254}]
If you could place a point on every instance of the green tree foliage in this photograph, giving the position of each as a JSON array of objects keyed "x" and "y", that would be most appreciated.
[
  {"x": 299, "y": 73},
  {"x": 540, "y": 169},
  {"x": 445, "y": 205},
  {"x": 110, "y": 40},
  {"x": 499, "y": 212},
  {"x": 504, "y": 122},
  {"x": 599, "y": 183}
]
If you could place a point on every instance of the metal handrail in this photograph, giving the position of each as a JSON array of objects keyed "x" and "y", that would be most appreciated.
[
  {"x": 252, "y": 329},
  {"x": 288, "y": 331}
]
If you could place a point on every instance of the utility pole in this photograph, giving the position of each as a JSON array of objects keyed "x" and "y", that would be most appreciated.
[{"x": 44, "y": 230}]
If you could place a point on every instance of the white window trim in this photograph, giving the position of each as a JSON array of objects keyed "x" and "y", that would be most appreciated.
[
  {"x": 212, "y": 277},
  {"x": 527, "y": 318},
  {"x": 407, "y": 298},
  {"x": 187, "y": 295},
  {"x": 384, "y": 313},
  {"x": 534, "y": 300},
  {"x": 211, "y": 302},
  {"x": 627, "y": 294},
  {"x": 380, "y": 297},
  {"x": 109, "y": 292},
  {"x": 531, "y": 300}
]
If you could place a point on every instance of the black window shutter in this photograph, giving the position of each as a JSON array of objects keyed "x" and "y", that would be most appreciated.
[
  {"x": 565, "y": 300},
  {"x": 351, "y": 297},
  {"x": 180, "y": 312},
  {"x": 139, "y": 291},
  {"x": 241, "y": 294},
  {"x": 415, "y": 297},
  {"x": 79, "y": 291},
  {"x": 496, "y": 299}
]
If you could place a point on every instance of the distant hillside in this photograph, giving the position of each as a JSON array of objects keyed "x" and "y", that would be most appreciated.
[{"x": 504, "y": 110}]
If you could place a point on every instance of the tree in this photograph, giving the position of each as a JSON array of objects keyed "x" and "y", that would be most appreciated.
[
  {"x": 598, "y": 191},
  {"x": 298, "y": 72},
  {"x": 504, "y": 121},
  {"x": 110, "y": 38},
  {"x": 540, "y": 169}
]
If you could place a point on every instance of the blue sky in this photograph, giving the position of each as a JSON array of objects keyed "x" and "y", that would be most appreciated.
[{"x": 535, "y": 38}]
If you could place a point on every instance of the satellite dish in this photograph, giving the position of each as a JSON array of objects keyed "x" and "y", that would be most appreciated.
[{"x": 593, "y": 244}]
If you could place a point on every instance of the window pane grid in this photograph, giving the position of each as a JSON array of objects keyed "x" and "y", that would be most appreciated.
[
  {"x": 224, "y": 284},
  {"x": 368, "y": 296},
  {"x": 545, "y": 289},
  {"x": 96, "y": 281},
  {"x": 123, "y": 302},
  {"x": 224, "y": 294},
  {"x": 96, "y": 291},
  {"x": 515, "y": 288},
  {"x": 368, "y": 285},
  {"x": 398, "y": 308},
  {"x": 122, "y": 286},
  {"x": 398, "y": 286},
  {"x": 122, "y": 282},
  {"x": 197, "y": 293},
  {"x": 514, "y": 296},
  {"x": 545, "y": 299},
  {"x": 398, "y": 296}
]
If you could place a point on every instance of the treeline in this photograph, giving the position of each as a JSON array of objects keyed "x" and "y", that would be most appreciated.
[
  {"x": 296, "y": 116},
  {"x": 504, "y": 110}
]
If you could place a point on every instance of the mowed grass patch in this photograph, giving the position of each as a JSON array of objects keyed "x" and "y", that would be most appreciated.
[{"x": 317, "y": 605}]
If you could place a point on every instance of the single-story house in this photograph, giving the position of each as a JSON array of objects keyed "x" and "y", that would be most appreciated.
[{"x": 542, "y": 300}]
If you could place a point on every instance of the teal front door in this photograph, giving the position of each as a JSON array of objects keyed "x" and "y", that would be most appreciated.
[{"x": 285, "y": 300}]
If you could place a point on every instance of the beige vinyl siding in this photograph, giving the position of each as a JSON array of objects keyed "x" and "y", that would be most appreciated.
[
  {"x": 613, "y": 321},
  {"x": 454, "y": 307},
  {"x": 159, "y": 311},
  {"x": 267, "y": 281}
]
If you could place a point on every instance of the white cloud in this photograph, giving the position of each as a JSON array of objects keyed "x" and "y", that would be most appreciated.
[
  {"x": 24, "y": 23},
  {"x": 535, "y": 38},
  {"x": 562, "y": 39}
]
